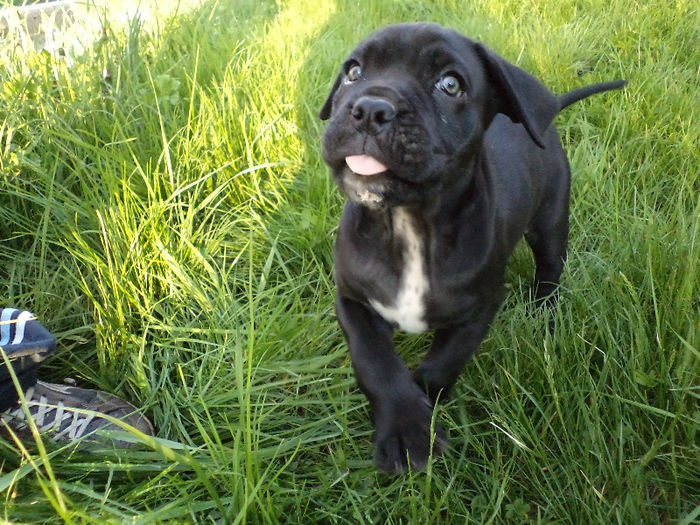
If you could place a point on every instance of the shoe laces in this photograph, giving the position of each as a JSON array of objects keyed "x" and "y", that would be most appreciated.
[{"x": 57, "y": 419}]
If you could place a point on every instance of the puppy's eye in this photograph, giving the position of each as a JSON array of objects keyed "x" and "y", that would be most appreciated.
[
  {"x": 449, "y": 84},
  {"x": 354, "y": 73}
]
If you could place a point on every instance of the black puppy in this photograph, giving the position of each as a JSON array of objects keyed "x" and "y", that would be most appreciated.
[{"x": 448, "y": 156}]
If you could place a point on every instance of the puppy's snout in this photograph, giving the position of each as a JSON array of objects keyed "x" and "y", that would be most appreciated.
[{"x": 372, "y": 114}]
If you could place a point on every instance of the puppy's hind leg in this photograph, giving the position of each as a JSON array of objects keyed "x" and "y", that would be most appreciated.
[
  {"x": 549, "y": 264},
  {"x": 547, "y": 237}
]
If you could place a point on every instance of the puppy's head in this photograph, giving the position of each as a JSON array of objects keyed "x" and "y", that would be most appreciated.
[{"x": 409, "y": 109}]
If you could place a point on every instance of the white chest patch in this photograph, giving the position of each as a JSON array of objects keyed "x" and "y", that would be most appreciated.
[{"x": 408, "y": 309}]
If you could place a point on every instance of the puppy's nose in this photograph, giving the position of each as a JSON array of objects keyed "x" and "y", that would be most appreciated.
[{"x": 372, "y": 114}]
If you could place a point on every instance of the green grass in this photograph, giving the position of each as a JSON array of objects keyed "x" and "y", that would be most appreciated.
[{"x": 173, "y": 226}]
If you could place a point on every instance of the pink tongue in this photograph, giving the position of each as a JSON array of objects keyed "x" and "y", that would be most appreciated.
[{"x": 365, "y": 165}]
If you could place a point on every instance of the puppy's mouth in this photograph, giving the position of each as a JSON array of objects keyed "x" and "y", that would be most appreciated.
[
  {"x": 365, "y": 165},
  {"x": 365, "y": 180}
]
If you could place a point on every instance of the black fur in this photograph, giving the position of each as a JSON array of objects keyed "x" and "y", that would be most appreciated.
[{"x": 474, "y": 172}]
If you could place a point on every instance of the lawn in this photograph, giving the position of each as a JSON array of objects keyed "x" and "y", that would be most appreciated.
[{"x": 164, "y": 210}]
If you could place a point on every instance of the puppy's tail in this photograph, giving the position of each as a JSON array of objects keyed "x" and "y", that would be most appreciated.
[{"x": 569, "y": 98}]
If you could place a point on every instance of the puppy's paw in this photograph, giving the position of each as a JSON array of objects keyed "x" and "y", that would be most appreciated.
[{"x": 406, "y": 434}]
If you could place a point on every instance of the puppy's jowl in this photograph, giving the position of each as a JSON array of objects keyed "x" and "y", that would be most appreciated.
[{"x": 448, "y": 156}]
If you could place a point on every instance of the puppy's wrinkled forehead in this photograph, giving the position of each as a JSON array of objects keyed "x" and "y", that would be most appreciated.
[{"x": 418, "y": 47}]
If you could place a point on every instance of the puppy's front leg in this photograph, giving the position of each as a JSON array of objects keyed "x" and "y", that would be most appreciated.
[
  {"x": 450, "y": 351},
  {"x": 402, "y": 412}
]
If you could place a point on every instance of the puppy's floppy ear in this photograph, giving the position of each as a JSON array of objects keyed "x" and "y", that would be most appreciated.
[
  {"x": 521, "y": 96},
  {"x": 328, "y": 104}
]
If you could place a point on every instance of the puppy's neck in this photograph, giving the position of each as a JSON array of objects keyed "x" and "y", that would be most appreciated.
[{"x": 460, "y": 192}]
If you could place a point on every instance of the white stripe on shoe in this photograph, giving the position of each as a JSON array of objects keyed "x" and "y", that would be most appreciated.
[
  {"x": 6, "y": 325},
  {"x": 21, "y": 324}
]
